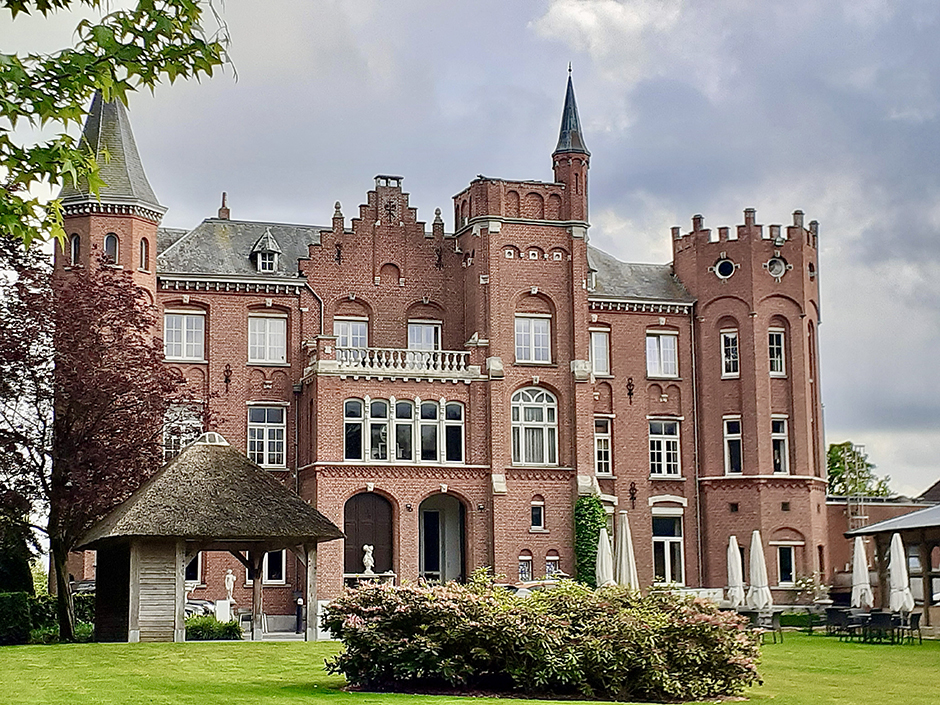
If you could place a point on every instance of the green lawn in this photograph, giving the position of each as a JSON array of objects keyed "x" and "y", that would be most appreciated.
[{"x": 805, "y": 669}]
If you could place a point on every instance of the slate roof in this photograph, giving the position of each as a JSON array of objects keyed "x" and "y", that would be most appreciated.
[
  {"x": 212, "y": 492},
  {"x": 645, "y": 282},
  {"x": 108, "y": 130},
  {"x": 224, "y": 247},
  {"x": 569, "y": 137},
  {"x": 932, "y": 493},
  {"x": 922, "y": 519}
]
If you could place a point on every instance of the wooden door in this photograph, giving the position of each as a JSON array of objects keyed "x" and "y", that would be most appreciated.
[{"x": 367, "y": 519}]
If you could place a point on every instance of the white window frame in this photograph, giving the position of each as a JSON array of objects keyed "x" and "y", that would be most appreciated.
[
  {"x": 144, "y": 264},
  {"x": 267, "y": 440},
  {"x": 424, "y": 335},
  {"x": 351, "y": 332},
  {"x": 780, "y": 551},
  {"x": 534, "y": 399},
  {"x": 665, "y": 456},
  {"x": 264, "y": 570},
  {"x": 777, "y": 352},
  {"x": 414, "y": 427},
  {"x": 75, "y": 250},
  {"x": 600, "y": 352},
  {"x": 662, "y": 359},
  {"x": 603, "y": 453},
  {"x": 108, "y": 257},
  {"x": 266, "y": 261},
  {"x": 191, "y": 338},
  {"x": 780, "y": 440},
  {"x": 533, "y": 337},
  {"x": 526, "y": 573},
  {"x": 668, "y": 542},
  {"x": 730, "y": 354},
  {"x": 729, "y": 437},
  {"x": 182, "y": 425},
  {"x": 537, "y": 514},
  {"x": 198, "y": 581},
  {"x": 552, "y": 565},
  {"x": 267, "y": 344}
]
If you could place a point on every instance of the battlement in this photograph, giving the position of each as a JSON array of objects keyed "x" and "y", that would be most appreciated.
[{"x": 750, "y": 229}]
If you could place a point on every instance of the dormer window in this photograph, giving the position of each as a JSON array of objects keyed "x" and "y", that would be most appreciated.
[
  {"x": 267, "y": 261},
  {"x": 265, "y": 252}
]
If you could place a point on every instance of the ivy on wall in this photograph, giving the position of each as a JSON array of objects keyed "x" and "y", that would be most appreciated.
[{"x": 589, "y": 517}]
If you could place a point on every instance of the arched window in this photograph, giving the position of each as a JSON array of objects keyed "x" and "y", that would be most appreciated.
[
  {"x": 525, "y": 566},
  {"x": 537, "y": 513},
  {"x": 111, "y": 248},
  {"x": 144, "y": 254},
  {"x": 75, "y": 249},
  {"x": 534, "y": 427}
]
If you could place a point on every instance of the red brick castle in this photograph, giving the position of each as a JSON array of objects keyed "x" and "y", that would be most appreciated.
[{"x": 445, "y": 396}]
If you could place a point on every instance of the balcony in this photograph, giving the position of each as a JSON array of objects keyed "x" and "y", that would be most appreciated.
[{"x": 397, "y": 363}]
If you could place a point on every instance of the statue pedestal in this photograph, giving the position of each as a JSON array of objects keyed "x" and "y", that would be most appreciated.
[{"x": 223, "y": 610}]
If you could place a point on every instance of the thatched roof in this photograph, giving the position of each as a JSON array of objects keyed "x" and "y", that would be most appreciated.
[{"x": 213, "y": 493}]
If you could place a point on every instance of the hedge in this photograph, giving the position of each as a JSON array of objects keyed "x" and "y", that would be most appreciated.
[
  {"x": 15, "y": 621},
  {"x": 568, "y": 642},
  {"x": 204, "y": 627},
  {"x": 43, "y": 608}
]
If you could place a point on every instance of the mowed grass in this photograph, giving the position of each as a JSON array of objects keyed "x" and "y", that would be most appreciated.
[{"x": 803, "y": 670}]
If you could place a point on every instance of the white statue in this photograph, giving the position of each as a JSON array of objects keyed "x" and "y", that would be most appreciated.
[
  {"x": 367, "y": 560},
  {"x": 229, "y": 584}
]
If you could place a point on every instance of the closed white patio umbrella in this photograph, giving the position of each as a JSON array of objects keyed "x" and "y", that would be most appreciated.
[
  {"x": 900, "y": 598},
  {"x": 624, "y": 558},
  {"x": 735, "y": 574},
  {"x": 604, "y": 570},
  {"x": 758, "y": 595},
  {"x": 861, "y": 585}
]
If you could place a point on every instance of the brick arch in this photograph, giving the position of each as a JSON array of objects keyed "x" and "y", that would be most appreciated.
[
  {"x": 553, "y": 207},
  {"x": 389, "y": 273},
  {"x": 527, "y": 302},
  {"x": 604, "y": 403},
  {"x": 194, "y": 304},
  {"x": 786, "y": 533},
  {"x": 420, "y": 309},
  {"x": 726, "y": 321},
  {"x": 782, "y": 297},
  {"x": 512, "y": 204},
  {"x": 533, "y": 206},
  {"x": 344, "y": 306},
  {"x": 654, "y": 393},
  {"x": 724, "y": 301}
]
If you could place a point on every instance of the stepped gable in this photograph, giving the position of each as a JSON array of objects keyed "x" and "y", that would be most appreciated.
[
  {"x": 224, "y": 247},
  {"x": 212, "y": 491},
  {"x": 623, "y": 280},
  {"x": 108, "y": 135}
]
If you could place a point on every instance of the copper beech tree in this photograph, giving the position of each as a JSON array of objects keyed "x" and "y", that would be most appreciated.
[{"x": 84, "y": 395}]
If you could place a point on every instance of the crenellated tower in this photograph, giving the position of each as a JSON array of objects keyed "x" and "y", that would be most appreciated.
[
  {"x": 761, "y": 462},
  {"x": 120, "y": 223}
]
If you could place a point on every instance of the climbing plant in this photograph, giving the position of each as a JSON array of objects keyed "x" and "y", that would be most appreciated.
[{"x": 589, "y": 517}]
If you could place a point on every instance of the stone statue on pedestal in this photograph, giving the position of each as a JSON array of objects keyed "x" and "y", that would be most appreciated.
[
  {"x": 229, "y": 584},
  {"x": 367, "y": 560}
]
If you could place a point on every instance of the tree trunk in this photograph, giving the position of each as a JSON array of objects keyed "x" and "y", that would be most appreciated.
[{"x": 65, "y": 609}]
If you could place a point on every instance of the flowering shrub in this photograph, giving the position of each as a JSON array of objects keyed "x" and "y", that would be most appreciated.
[{"x": 571, "y": 641}]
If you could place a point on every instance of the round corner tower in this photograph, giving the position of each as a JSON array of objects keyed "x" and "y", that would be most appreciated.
[
  {"x": 118, "y": 227},
  {"x": 761, "y": 462}
]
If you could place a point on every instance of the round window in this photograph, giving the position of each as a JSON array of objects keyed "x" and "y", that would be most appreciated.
[
  {"x": 777, "y": 267},
  {"x": 724, "y": 268}
]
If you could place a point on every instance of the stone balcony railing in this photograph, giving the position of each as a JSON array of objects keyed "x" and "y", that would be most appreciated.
[{"x": 396, "y": 363}]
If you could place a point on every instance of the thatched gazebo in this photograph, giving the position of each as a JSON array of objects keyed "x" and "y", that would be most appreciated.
[{"x": 209, "y": 498}]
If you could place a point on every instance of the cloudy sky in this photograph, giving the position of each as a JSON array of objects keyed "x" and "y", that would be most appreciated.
[{"x": 829, "y": 106}]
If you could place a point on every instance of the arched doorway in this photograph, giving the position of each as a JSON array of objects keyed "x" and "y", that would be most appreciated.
[
  {"x": 367, "y": 520},
  {"x": 442, "y": 538}
]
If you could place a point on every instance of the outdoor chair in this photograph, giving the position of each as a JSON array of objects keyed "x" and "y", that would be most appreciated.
[
  {"x": 880, "y": 627},
  {"x": 837, "y": 621},
  {"x": 909, "y": 626},
  {"x": 770, "y": 622},
  {"x": 855, "y": 624}
]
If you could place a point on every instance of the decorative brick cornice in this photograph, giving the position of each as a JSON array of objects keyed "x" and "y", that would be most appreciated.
[
  {"x": 548, "y": 474},
  {"x": 639, "y": 306},
  {"x": 403, "y": 472},
  {"x": 95, "y": 207},
  {"x": 735, "y": 482},
  {"x": 183, "y": 282}
]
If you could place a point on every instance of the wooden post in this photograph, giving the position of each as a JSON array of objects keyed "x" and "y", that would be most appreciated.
[
  {"x": 179, "y": 618},
  {"x": 256, "y": 558},
  {"x": 926, "y": 582},
  {"x": 881, "y": 555},
  {"x": 133, "y": 617},
  {"x": 311, "y": 590}
]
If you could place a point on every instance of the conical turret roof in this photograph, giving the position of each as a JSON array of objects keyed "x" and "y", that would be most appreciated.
[
  {"x": 109, "y": 136},
  {"x": 569, "y": 138}
]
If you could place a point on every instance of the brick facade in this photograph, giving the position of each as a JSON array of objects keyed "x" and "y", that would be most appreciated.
[{"x": 518, "y": 255}]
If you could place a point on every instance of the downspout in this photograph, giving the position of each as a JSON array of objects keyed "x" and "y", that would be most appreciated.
[{"x": 695, "y": 451}]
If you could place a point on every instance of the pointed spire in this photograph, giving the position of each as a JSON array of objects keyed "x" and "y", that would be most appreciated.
[
  {"x": 569, "y": 138},
  {"x": 108, "y": 135}
]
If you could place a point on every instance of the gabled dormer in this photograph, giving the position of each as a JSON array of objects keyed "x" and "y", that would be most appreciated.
[{"x": 265, "y": 253}]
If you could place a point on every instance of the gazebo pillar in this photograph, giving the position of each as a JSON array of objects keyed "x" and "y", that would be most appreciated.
[
  {"x": 256, "y": 558},
  {"x": 925, "y": 578},
  {"x": 311, "y": 593}
]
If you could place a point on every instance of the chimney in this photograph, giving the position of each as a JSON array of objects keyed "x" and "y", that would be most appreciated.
[
  {"x": 224, "y": 212},
  {"x": 338, "y": 222}
]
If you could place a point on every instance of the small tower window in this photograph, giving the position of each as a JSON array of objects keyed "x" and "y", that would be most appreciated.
[
  {"x": 75, "y": 249},
  {"x": 267, "y": 261},
  {"x": 111, "y": 248},
  {"x": 144, "y": 255}
]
